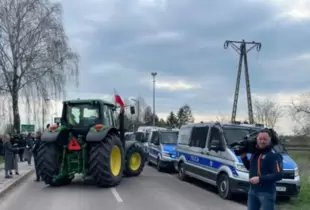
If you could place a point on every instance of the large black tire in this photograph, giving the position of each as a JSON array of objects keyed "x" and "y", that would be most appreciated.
[
  {"x": 181, "y": 172},
  {"x": 48, "y": 162},
  {"x": 223, "y": 186},
  {"x": 134, "y": 160},
  {"x": 100, "y": 166}
]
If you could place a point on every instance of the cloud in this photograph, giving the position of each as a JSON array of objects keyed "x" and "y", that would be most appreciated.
[{"x": 122, "y": 42}]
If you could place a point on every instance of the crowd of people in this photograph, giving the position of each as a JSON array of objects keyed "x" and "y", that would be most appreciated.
[{"x": 18, "y": 148}]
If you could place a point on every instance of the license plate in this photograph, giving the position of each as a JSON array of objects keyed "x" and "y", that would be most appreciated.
[{"x": 281, "y": 189}]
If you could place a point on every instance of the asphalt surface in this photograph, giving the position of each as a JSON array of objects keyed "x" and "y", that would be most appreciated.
[{"x": 152, "y": 191}]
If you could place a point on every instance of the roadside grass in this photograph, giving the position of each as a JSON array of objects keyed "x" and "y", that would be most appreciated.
[
  {"x": 302, "y": 202},
  {"x": 301, "y": 158}
]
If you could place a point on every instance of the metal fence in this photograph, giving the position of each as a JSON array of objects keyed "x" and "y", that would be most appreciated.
[{"x": 290, "y": 146}]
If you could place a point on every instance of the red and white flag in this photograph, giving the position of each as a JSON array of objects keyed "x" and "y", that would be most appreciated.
[{"x": 118, "y": 100}]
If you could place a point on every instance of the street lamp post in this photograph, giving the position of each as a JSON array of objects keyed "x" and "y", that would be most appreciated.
[{"x": 154, "y": 75}]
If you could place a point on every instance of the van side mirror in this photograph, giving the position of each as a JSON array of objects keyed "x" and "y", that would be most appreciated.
[
  {"x": 156, "y": 142},
  {"x": 216, "y": 146},
  {"x": 132, "y": 110}
]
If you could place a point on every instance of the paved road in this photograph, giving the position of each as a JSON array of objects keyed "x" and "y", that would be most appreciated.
[{"x": 152, "y": 191}]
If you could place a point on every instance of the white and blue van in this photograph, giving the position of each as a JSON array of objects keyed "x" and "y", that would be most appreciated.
[
  {"x": 162, "y": 149},
  {"x": 203, "y": 152}
]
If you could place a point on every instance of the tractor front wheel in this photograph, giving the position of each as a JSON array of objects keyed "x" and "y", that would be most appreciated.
[
  {"x": 48, "y": 161},
  {"x": 106, "y": 161},
  {"x": 135, "y": 160}
]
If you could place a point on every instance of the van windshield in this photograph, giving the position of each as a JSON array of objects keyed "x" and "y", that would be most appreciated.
[
  {"x": 233, "y": 134},
  {"x": 169, "y": 137}
]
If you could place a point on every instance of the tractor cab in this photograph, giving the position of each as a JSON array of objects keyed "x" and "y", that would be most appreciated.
[{"x": 81, "y": 115}]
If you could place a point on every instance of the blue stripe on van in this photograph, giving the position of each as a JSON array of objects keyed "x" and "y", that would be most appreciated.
[
  {"x": 194, "y": 159},
  {"x": 288, "y": 162}
]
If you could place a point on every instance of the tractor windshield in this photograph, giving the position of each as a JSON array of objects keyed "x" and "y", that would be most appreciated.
[{"x": 83, "y": 115}]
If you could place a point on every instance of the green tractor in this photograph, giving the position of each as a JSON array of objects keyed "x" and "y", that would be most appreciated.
[{"x": 88, "y": 142}]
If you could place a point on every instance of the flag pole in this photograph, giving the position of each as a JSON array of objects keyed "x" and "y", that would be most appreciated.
[{"x": 121, "y": 118}]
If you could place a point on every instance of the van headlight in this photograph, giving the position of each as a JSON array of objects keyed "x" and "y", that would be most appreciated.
[
  {"x": 240, "y": 167},
  {"x": 296, "y": 172},
  {"x": 165, "y": 154}
]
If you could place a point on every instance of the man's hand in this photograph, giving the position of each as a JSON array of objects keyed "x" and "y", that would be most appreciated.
[{"x": 254, "y": 180}]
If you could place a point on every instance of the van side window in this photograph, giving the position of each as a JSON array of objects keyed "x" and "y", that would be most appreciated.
[
  {"x": 155, "y": 138},
  {"x": 184, "y": 135},
  {"x": 199, "y": 137},
  {"x": 216, "y": 135}
]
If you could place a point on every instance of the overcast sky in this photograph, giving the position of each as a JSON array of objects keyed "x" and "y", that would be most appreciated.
[{"x": 122, "y": 42}]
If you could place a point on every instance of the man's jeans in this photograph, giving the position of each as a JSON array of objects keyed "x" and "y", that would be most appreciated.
[{"x": 261, "y": 200}]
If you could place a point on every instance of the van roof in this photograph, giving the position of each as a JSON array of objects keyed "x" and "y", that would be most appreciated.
[{"x": 225, "y": 124}]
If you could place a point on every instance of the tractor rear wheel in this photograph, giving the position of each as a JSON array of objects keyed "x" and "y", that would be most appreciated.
[
  {"x": 106, "y": 161},
  {"x": 134, "y": 160},
  {"x": 48, "y": 161}
]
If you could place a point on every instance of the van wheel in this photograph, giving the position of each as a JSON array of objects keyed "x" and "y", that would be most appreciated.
[
  {"x": 159, "y": 168},
  {"x": 149, "y": 163},
  {"x": 223, "y": 187},
  {"x": 181, "y": 172}
]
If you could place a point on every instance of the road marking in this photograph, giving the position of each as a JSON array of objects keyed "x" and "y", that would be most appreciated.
[{"x": 116, "y": 195}]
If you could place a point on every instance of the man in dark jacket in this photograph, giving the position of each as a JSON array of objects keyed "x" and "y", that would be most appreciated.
[
  {"x": 1, "y": 147},
  {"x": 21, "y": 141},
  {"x": 29, "y": 147},
  {"x": 37, "y": 143},
  {"x": 265, "y": 169}
]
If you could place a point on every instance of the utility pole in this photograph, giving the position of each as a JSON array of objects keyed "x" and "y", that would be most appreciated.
[
  {"x": 154, "y": 75},
  {"x": 241, "y": 48}
]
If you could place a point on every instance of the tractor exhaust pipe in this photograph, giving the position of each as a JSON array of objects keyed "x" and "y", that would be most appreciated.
[{"x": 122, "y": 127}]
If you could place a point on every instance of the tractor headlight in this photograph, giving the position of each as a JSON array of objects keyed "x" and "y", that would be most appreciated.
[
  {"x": 240, "y": 167},
  {"x": 296, "y": 172}
]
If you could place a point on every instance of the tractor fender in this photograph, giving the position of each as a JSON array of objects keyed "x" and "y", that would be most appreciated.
[
  {"x": 97, "y": 136},
  {"x": 48, "y": 136}
]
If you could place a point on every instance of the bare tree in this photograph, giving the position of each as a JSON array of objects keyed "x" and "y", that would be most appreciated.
[
  {"x": 300, "y": 113},
  {"x": 222, "y": 118},
  {"x": 35, "y": 59},
  {"x": 267, "y": 112}
]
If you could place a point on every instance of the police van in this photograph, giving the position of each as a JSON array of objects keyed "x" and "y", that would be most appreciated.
[
  {"x": 203, "y": 152},
  {"x": 162, "y": 149},
  {"x": 148, "y": 131}
]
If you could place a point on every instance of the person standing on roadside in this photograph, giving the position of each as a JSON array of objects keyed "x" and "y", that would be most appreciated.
[
  {"x": 21, "y": 143},
  {"x": 265, "y": 169},
  {"x": 9, "y": 157},
  {"x": 29, "y": 146},
  {"x": 1, "y": 146},
  {"x": 37, "y": 143},
  {"x": 15, "y": 143}
]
